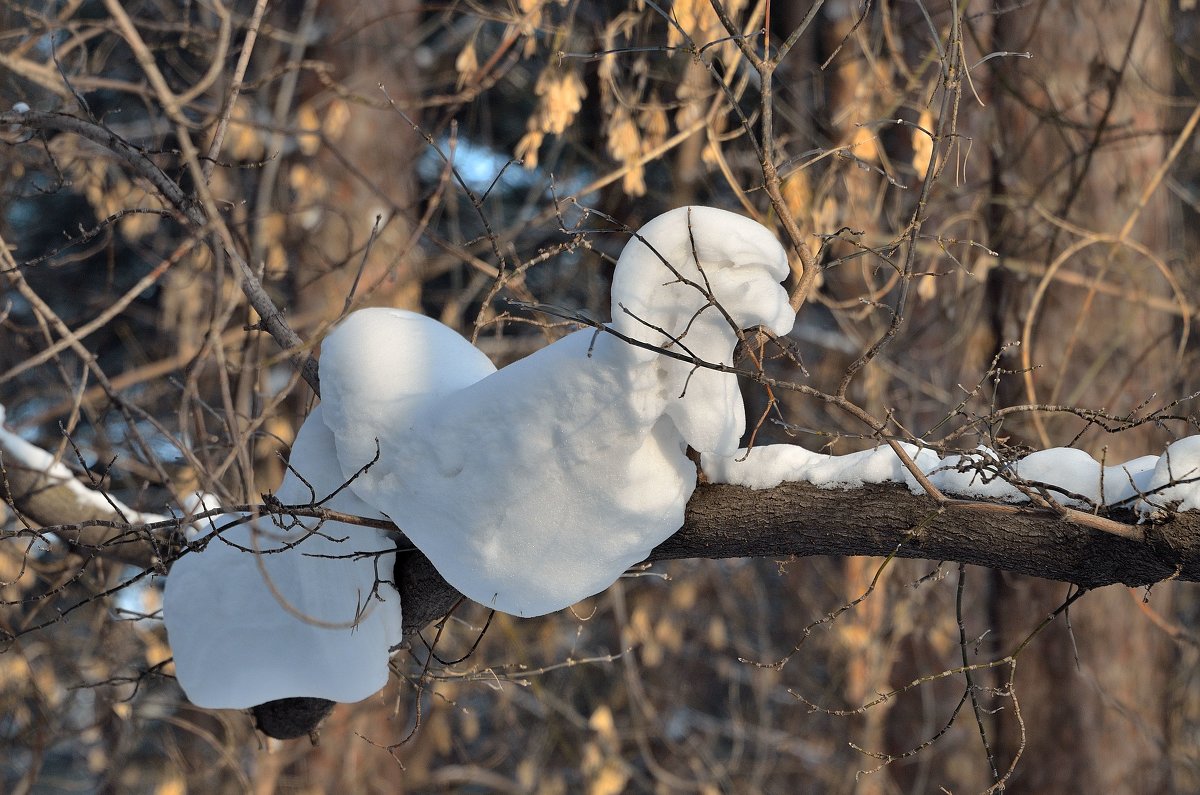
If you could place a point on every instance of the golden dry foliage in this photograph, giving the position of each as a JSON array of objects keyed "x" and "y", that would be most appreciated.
[
  {"x": 526, "y": 150},
  {"x": 699, "y": 21},
  {"x": 560, "y": 95},
  {"x": 693, "y": 676},
  {"x": 922, "y": 143},
  {"x": 243, "y": 141},
  {"x": 109, "y": 190},
  {"x": 652, "y": 121},
  {"x": 531, "y": 19},
  {"x": 606, "y": 772},
  {"x": 624, "y": 143},
  {"x": 466, "y": 64},
  {"x": 631, "y": 127},
  {"x": 308, "y": 125}
]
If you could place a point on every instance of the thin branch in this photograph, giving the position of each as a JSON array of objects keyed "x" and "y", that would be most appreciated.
[{"x": 193, "y": 215}]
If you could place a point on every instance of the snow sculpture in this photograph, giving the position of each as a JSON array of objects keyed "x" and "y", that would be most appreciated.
[
  {"x": 742, "y": 263},
  {"x": 317, "y": 619},
  {"x": 380, "y": 367},
  {"x": 535, "y": 486},
  {"x": 529, "y": 488}
]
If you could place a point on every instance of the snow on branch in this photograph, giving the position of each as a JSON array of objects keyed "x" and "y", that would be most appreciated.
[
  {"x": 799, "y": 519},
  {"x": 534, "y": 486},
  {"x": 45, "y": 491}
]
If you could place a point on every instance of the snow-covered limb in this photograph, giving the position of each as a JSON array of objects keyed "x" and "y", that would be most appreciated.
[
  {"x": 1067, "y": 476},
  {"x": 801, "y": 520},
  {"x": 49, "y": 493},
  {"x": 791, "y": 502},
  {"x": 535, "y": 486}
]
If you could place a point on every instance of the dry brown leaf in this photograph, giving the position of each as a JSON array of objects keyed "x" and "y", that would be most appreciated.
[
  {"x": 699, "y": 21},
  {"x": 172, "y": 786},
  {"x": 466, "y": 64},
  {"x": 625, "y": 146},
  {"x": 927, "y": 287},
  {"x": 864, "y": 145},
  {"x": 531, "y": 20},
  {"x": 527, "y": 148},
  {"x": 603, "y": 724},
  {"x": 337, "y": 117},
  {"x": 797, "y": 195},
  {"x": 922, "y": 144},
  {"x": 309, "y": 126},
  {"x": 717, "y": 635},
  {"x": 611, "y": 779},
  {"x": 654, "y": 123},
  {"x": 562, "y": 95},
  {"x": 242, "y": 140}
]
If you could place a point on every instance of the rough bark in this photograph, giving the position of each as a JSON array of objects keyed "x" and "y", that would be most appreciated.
[{"x": 799, "y": 520}]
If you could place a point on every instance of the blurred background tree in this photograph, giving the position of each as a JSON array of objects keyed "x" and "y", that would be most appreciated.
[{"x": 1034, "y": 164}]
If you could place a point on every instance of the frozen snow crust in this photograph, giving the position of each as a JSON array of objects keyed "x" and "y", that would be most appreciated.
[{"x": 1072, "y": 477}]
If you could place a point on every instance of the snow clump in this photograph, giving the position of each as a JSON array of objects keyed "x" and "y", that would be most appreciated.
[
  {"x": 535, "y": 486},
  {"x": 1069, "y": 476},
  {"x": 265, "y": 612},
  {"x": 529, "y": 488}
]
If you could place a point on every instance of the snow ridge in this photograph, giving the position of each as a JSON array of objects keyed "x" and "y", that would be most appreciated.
[{"x": 1071, "y": 476}]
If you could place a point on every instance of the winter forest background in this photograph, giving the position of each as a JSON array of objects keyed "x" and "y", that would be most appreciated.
[{"x": 983, "y": 173}]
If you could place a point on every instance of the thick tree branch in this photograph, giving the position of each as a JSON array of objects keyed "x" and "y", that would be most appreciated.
[
  {"x": 799, "y": 520},
  {"x": 790, "y": 520}
]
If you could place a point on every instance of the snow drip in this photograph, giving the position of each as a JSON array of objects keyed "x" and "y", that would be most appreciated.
[{"x": 529, "y": 488}]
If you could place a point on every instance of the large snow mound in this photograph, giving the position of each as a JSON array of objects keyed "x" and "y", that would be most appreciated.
[
  {"x": 529, "y": 488},
  {"x": 538, "y": 485}
]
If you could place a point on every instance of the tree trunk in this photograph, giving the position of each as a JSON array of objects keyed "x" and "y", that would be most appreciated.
[{"x": 1092, "y": 696}]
